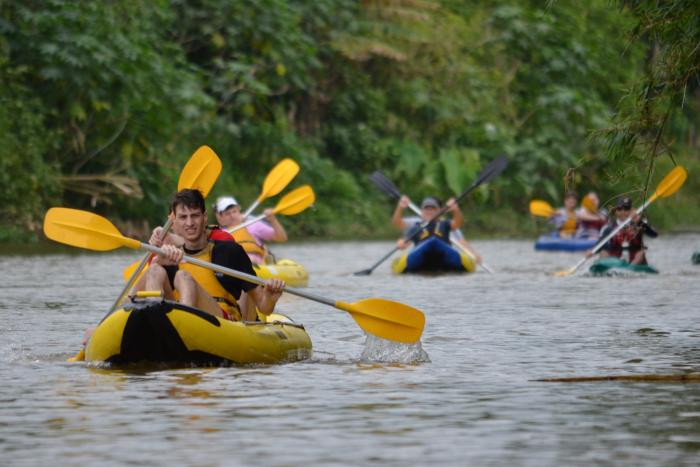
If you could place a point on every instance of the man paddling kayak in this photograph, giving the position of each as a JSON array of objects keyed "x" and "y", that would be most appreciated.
[
  {"x": 629, "y": 238},
  {"x": 216, "y": 294},
  {"x": 251, "y": 238}
]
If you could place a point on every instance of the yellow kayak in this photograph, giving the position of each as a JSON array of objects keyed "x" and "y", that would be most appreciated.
[
  {"x": 293, "y": 273},
  {"x": 162, "y": 331}
]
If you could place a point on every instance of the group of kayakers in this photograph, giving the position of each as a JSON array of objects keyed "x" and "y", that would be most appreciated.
[
  {"x": 585, "y": 221},
  {"x": 590, "y": 222},
  {"x": 238, "y": 248}
]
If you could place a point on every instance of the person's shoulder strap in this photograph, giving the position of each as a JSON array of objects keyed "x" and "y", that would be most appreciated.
[{"x": 218, "y": 234}]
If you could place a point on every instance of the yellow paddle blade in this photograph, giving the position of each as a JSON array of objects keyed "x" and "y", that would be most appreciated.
[
  {"x": 563, "y": 273},
  {"x": 129, "y": 271},
  {"x": 201, "y": 171},
  {"x": 78, "y": 357},
  {"x": 386, "y": 319},
  {"x": 541, "y": 208},
  {"x": 296, "y": 201},
  {"x": 671, "y": 182},
  {"x": 278, "y": 178},
  {"x": 84, "y": 230}
]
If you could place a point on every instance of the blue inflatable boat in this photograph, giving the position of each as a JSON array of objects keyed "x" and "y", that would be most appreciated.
[
  {"x": 553, "y": 242},
  {"x": 433, "y": 255}
]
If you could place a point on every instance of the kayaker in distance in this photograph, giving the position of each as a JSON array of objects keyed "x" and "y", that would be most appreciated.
[
  {"x": 565, "y": 218},
  {"x": 630, "y": 238},
  {"x": 590, "y": 218},
  {"x": 220, "y": 295},
  {"x": 429, "y": 207},
  {"x": 251, "y": 238}
]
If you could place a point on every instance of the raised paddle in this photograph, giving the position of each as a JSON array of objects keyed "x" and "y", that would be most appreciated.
[
  {"x": 383, "y": 318},
  {"x": 292, "y": 203},
  {"x": 276, "y": 181},
  {"x": 541, "y": 208},
  {"x": 382, "y": 182},
  {"x": 200, "y": 173},
  {"x": 494, "y": 168},
  {"x": 669, "y": 185}
]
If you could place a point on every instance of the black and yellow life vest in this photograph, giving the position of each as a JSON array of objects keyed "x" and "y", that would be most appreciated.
[
  {"x": 247, "y": 241},
  {"x": 208, "y": 281},
  {"x": 439, "y": 229}
]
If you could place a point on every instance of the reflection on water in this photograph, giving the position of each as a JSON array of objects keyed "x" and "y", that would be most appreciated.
[{"x": 470, "y": 393}]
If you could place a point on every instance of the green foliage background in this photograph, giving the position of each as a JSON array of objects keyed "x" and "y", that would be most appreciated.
[{"x": 102, "y": 103}]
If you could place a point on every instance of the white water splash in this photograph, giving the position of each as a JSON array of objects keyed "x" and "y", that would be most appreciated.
[{"x": 381, "y": 350}]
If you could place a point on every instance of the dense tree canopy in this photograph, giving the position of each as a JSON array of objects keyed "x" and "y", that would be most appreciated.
[{"x": 101, "y": 103}]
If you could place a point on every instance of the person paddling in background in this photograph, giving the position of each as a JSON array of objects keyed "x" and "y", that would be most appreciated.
[
  {"x": 565, "y": 219},
  {"x": 428, "y": 211},
  {"x": 435, "y": 236},
  {"x": 590, "y": 218},
  {"x": 630, "y": 238},
  {"x": 215, "y": 293},
  {"x": 251, "y": 238}
]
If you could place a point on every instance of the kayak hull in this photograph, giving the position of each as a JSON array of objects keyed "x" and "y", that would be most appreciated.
[
  {"x": 553, "y": 242},
  {"x": 161, "y": 331},
  {"x": 433, "y": 256},
  {"x": 293, "y": 273},
  {"x": 613, "y": 266}
]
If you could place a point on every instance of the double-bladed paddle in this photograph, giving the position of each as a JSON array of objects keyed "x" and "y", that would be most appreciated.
[
  {"x": 669, "y": 185},
  {"x": 292, "y": 203},
  {"x": 200, "y": 173},
  {"x": 276, "y": 181},
  {"x": 494, "y": 168},
  {"x": 383, "y": 318},
  {"x": 382, "y": 182}
]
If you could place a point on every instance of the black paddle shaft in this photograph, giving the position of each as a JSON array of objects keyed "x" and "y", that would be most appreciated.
[{"x": 494, "y": 168}]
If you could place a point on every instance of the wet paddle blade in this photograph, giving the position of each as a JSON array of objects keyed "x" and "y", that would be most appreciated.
[
  {"x": 278, "y": 178},
  {"x": 541, "y": 208},
  {"x": 201, "y": 171},
  {"x": 385, "y": 185},
  {"x": 671, "y": 182},
  {"x": 386, "y": 319},
  {"x": 296, "y": 201},
  {"x": 84, "y": 230}
]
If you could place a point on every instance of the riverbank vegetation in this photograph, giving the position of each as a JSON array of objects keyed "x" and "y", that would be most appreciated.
[{"x": 102, "y": 103}]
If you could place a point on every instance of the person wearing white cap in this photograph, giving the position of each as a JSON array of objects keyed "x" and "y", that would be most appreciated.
[{"x": 252, "y": 238}]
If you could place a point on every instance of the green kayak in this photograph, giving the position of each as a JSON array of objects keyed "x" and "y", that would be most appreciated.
[
  {"x": 611, "y": 266},
  {"x": 695, "y": 258}
]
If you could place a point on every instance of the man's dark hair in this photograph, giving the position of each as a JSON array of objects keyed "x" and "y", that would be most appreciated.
[
  {"x": 570, "y": 194},
  {"x": 192, "y": 199}
]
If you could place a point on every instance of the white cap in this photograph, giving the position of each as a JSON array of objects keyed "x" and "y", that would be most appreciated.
[{"x": 224, "y": 202}]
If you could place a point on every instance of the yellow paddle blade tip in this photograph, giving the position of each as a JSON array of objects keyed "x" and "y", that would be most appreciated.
[
  {"x": 561, "y": 273},
  {"x": 387, "y": 319}
]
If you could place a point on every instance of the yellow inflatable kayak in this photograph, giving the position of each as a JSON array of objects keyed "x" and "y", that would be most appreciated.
[
  {"x": 162, "y": 331},
  {"x": 293, "y": 273}
]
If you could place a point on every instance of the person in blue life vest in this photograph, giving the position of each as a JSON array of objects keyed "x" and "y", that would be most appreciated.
[
  {"x": 429, "y": 208},
  {"x": 630, "y": 238},
  {"x": 220, "y": 295}
]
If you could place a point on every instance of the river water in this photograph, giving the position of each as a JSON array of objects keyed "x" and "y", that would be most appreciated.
[{"x": 468, "y": 395}]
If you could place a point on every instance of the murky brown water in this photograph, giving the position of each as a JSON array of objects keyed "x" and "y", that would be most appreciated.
[{"x": 472, "y": 401}]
